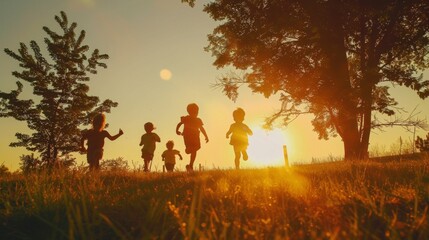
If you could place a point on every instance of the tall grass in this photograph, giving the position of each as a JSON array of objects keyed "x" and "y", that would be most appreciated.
[{"x": 341, "y": 200}]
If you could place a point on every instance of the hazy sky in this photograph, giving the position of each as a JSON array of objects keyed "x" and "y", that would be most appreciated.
[{"x": 143, "y": 37}]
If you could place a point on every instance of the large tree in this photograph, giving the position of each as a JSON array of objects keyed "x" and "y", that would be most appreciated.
[
  {"x": 61, "y": 104},
  {"x": 331, "y": 58}
]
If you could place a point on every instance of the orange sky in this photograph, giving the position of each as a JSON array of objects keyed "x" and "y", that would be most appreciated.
[{"x": 143, "y": 38}]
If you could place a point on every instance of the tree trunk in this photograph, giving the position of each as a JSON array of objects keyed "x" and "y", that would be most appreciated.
[
  {"x": 366, "y": 98},
  {"x": 369, "y": 80},
  {"x": 48, "y": 153},
  {"x": 365, "y": 134},
  {"x": 365, "y": 131},
  {"x": 55, "y": 159},
  {"x": 337, "y": 78},
  {"x": 351, "y": 140}
]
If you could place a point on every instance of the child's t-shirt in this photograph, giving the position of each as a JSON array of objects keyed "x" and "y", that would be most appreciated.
[
  {"x": 169, "y": 156},
  {"x": 191, "y": 125},
  {"x": 95, "y": 139},
  {"x": 148, "y": 141},
  {"x": 239, "y": 134}
]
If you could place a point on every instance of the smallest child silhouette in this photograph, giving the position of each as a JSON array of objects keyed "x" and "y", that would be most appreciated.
[
  {"x": 148, "y": 141},
  {"x": 95, "y": 141},
  {"x": 169, "y": 156},
  {"x": 239, "y": 139}
]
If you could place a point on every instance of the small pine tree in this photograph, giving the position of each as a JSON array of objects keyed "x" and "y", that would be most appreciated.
[{"x": 63, "y": 104}]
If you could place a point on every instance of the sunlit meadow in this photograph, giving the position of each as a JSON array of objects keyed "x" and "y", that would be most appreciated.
[{"x": 341, "y": 200}]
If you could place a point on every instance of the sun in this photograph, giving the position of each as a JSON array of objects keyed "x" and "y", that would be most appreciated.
[{"x": 266, "y": 147}]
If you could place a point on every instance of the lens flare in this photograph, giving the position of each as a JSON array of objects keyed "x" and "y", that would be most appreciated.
[{"x": 165, "y": 74}]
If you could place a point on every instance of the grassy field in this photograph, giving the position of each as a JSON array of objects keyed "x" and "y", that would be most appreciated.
[{"x": 367, "y": 200}]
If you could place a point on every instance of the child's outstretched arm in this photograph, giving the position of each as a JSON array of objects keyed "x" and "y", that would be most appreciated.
[
  {"x": 112, "y": 138},
  {"x": 229, "y": 132},
  {"x": 204, "y": 133},
  {"x": 249, "y": 131},
  {"x": 177, "y": 128},
  {"x": 141, "y": 141}
]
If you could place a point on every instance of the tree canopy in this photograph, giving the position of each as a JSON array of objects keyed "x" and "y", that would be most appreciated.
[
  {"x": 60, "y": 104},
  {"x": 336, "y": 59}
]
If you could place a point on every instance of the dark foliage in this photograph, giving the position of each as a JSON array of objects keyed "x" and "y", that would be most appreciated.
[
  {"x": 423, "y": 144},
  {"x": 336, "y": 59}
]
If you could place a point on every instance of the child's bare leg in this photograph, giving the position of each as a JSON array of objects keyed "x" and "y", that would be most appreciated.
[
  {"x": 192, "y": 160},
  {"x": 237, "y": 159},
  {"x": 245, "y": 156},
  {"x": 237, "y": 154},
  {"x": 146, "y": 165}
]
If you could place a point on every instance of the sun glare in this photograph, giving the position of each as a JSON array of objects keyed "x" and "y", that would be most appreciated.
[{"x": 266, "y": 147}]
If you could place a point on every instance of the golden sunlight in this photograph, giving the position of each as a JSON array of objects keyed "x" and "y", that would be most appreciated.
[
  {"x": 266, "y": 147},
  {"x": 165, "y": 74}
]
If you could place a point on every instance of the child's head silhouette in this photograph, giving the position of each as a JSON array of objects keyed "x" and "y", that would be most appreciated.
[
  {"x": 148, "y": 127},
  {"x": 238, "y": 115},
  {"x": 99, "y": 122},
  {"x": 169, "y": 145},
  {"x": 193, "y": 109}
]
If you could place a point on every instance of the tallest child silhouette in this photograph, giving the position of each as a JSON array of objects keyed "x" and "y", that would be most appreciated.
[{"x": 192, "y": 126}]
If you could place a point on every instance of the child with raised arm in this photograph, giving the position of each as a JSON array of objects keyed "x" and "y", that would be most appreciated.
[
  {"x": 239, "y": 139},
  {"x": 148, "y": 141},
  {"x": 192, "y": 126},
  {"x": 95, "y": 141},
  {"x": 169, "y": 156}
]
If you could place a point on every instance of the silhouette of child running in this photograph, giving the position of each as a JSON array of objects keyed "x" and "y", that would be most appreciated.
[
  {"x": 95, "y": 141},
  {"x": 169, "y": 156},
  {"x": 239, "y": 138},
  {"x": 148, "y": 141},
  {"x": 192, "y": 125}
]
